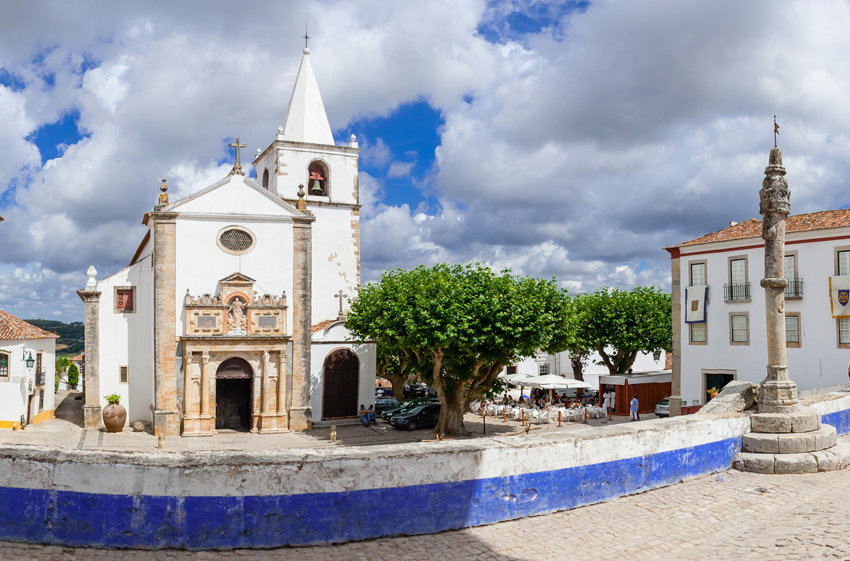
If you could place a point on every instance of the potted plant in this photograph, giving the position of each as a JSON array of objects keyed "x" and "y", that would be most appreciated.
[
  {"x": 114, "y": 414},
  {"x": 712, "y": 393}
]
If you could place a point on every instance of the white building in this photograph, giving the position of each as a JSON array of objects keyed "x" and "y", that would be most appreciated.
[
  {"x": 560, "y": 365},
  {"x": 230, "y": 314},
  {"x": 27, "y": 372},
  {"x": 730, "y": 341}
]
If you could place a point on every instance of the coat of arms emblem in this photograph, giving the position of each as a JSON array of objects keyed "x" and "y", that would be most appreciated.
[{"x": 843, "y": 297}]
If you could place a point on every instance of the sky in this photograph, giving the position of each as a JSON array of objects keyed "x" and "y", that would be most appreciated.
[{"x": 561, "y": 139}]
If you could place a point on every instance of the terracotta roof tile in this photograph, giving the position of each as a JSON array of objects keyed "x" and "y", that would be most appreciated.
[
  {"x": 323, "y": 325},
  {"x": 751, "y": 228},
  {"x": 12, "y": 328}
]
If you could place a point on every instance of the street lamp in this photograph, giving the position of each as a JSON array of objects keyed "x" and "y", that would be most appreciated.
[
  {"x": 30, "y": 361},
  {"x": 656, "y": 355}
]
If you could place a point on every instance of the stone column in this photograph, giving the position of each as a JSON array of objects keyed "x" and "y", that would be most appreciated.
[
  {"x": 300, "y": 412},
  {"x": 281, "y": 384},
  {"x": 267, "y": 384},
  {"x": 676, "y": 296},
  {"x": 205, "y": 383},
  {"x": 92, "y": 417},
  {"x": 187, "y": 386},
  {"x": 777, "y": 393},
  {"x": 166, "y": 416}
]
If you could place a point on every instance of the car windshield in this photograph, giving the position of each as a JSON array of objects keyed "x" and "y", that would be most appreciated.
[
  {"x": 416, "y": 410},
  {"x": 664, "y": 402}
]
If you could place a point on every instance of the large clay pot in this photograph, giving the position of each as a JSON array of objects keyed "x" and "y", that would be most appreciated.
[{"x": 114, "y": 417}]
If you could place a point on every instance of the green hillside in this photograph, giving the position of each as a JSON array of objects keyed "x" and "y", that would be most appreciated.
[{"x": 70, "y": 342}]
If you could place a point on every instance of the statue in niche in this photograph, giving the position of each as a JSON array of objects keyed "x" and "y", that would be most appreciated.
[{"x": 237, "y": 317}]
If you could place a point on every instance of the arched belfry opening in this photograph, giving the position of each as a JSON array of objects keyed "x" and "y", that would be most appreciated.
[
  {"x": 341, "y": 384},
  {"x": 317, "y": 179},
  {"x": 233, "y": 381},
  {"x": 266, "y": 179}
]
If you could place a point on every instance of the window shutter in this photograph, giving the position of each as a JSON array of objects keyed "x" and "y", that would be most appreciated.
[{"x": 128, "y": 301}]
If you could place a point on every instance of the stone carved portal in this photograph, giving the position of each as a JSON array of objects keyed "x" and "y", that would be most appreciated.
[
  {"x": 233, "y": 395},
  {"x": 341, "y": 385}
]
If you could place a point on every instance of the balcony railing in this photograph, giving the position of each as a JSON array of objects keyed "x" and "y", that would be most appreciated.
[
  {"x": 39, "y": 378},
  {"x": 794, "y": 288},
  {"x": 736, "y": 292}
]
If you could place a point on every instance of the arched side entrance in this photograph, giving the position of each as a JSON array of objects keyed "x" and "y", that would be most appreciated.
[
  {"x": 341, "y": 383},
  {"x": 233, "y": 381}
]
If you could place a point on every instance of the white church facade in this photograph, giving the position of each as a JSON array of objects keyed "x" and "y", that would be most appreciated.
[{"x": 231, "y": 314}]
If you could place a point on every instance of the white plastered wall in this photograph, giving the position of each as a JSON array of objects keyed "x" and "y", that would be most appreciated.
[
  {"x": 324, "y": 343},
  {"x": 14, "y": 390}
]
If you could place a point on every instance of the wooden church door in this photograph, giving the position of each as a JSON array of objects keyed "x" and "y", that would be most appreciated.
[
  {"x": 233, "y": 395},
  {"x": 341, "y": 384}
]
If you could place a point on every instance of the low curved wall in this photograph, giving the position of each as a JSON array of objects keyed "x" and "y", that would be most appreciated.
[{"x": 302, "y": 497}]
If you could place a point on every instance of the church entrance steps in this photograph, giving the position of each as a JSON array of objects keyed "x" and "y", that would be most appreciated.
[{"x": 338, "y": 422}]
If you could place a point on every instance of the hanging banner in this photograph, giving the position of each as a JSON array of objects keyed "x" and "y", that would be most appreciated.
[
  {"x": 695, "y": 297},
  {"x": 839, "y": 292}
]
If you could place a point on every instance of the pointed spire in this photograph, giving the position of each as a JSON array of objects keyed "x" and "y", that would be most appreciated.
[{"x": 306, "y": 120}]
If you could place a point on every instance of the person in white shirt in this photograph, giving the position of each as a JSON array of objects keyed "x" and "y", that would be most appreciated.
[{"x": 606, "y": 401}]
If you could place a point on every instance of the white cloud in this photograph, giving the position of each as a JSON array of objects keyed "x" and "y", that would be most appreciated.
[{"x": 400, "y": 169}]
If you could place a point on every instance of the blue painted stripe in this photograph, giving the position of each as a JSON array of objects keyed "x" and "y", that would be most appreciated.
[
  {"x": 139, "y": 521},
  {"x": 839, "y": 419}
]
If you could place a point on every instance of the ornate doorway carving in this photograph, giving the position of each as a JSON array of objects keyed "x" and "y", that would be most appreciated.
[
  {"x": 341, "y": 384},
  {"x": 233, "y": 394}
]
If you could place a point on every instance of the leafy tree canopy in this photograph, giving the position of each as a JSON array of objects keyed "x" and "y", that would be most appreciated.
[
  {"x": 457, "y": 326},
  {"x": 627, "y": 321}
]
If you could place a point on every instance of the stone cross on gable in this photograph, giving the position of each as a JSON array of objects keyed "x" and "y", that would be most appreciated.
[
  {"x": 340, "y": 295},
  {"x": 237, "y": 167}
]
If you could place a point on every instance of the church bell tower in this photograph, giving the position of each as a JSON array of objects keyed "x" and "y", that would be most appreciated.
[{"x": 304, "y": 157}]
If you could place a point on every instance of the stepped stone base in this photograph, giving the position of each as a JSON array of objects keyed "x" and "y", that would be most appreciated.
[{"x": 791, "y": 442}]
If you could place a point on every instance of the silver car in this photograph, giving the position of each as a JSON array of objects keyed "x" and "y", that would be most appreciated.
[{"x": 663, "y": 408}]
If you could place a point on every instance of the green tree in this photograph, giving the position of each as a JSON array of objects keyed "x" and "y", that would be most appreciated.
[
  {"x": 73, "y": 376},
  {"x": 394, "y": 366},
  {"x": 458, "y": 326},
  {"x": 627, "y": 321}
]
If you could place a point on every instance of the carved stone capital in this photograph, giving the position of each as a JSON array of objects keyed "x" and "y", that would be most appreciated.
[
  {"x": 205, "y": 358},
  {"x": 774, "y": 283}
]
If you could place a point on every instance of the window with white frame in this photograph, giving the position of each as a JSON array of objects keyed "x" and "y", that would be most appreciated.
[
  {"x": 843, "y": 263},
  {"x": 791, "y": 267},
  {"x": 844, "y": 330},
  {"x": 543, "y": 369},
  {"x": 738, "y": 271},
  {"x": 697, "y": 274},
  {"x": 4, "y": 366},
  {"x": 697, "y": 332},
  {"x": 739, "y": 329},
  {"x": 792, "y": 329}
]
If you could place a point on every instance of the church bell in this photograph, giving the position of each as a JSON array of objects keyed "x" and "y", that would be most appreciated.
[{"x": 316, "y": 187}]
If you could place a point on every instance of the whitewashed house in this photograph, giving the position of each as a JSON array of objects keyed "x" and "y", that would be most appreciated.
[
  {"x": 231, "y": 312},
  {"x": 719, "y": 330},
  {"x": 27, "y": 372}
]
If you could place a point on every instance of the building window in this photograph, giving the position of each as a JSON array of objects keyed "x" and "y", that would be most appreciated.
[
  {"x": 739, "y": 329},
  {"x": 38, "y": 368},
  {"x": 125, "y": 299},
  {"x": 266, "y": 179},
  {"x": 790, "y": 267},
  {"x": 795, "y": 284},
  {"x": 697, "y": 274},
  {"x": 317, "y": 181},
  {"x": 511, "y": 369},
  {"x": 543, "y": 369},
  {"x": 4, "y": 366},
  {"x": 123, "y": 374},
  {"x": 844, "y": 331},
  {"x": 738, "y": 289},
  {"x": 792, "y": 330},
  {"x": 843, "y": 263},
  {"x": 41, "y": 400},
  {"x": 738, "y": 271},
  {"x": 236, "y": 240},
  {"x": 697, "y": 332}
]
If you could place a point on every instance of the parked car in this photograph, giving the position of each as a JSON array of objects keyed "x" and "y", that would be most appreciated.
[
  {"x": 413, "y": 391},
  {"x": 407, "y": 405},
  {"x": 384, "y": 403},
  {"x": 421, "y": 416},
  {"x": 663, "y": 408}
]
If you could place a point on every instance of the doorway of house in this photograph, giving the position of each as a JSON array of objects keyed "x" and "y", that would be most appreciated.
[
  {"x": 716, "y": 380},
  {"x": 341, "y": 383},
  {"x": 233, "y": 395}
]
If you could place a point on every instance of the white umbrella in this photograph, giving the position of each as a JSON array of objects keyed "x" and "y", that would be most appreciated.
[{"x": 509, "y": 377}]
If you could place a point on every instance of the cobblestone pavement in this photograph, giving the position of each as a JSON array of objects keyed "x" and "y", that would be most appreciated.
[
  {"x": 65, "y": 431},
  {"x": 734, "y": 516}
]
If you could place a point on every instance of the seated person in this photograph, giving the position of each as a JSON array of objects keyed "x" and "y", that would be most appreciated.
[
  {"x": 373, "y": 418},
  {"x": 364, "y": 415}
]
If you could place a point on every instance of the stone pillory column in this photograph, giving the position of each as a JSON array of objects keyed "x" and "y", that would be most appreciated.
[
  {"x": 166, "y": 416},
  {"x": 777, "y": 393},
  {"x": 91, "y": 409},
  {"x": 300, "y": 412}
]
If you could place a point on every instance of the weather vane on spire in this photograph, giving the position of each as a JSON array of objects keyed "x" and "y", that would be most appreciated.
[
  {"x": 775, "y": 131},
  {"x": 305, "y": 36}
]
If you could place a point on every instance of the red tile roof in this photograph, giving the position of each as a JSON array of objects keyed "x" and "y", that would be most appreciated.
[
  {"x": 323, "y": 325},
  {"x": 751, "y": 228},
  {"x": 17, "y": 329}
]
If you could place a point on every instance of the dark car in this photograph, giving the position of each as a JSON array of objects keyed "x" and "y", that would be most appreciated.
[
  {"x": 384, "y": 403},
  {"x": 406, "y": 406},
  {"x": 422, "y": 416}
]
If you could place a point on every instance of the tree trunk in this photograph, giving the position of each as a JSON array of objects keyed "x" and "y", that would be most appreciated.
[
  {"x": 451, "y": 415},
  {"x": 578, "y": 367},
  {"x": 398, "y": 381}
]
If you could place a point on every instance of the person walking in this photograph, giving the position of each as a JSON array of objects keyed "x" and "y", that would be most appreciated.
[{"x": 633, "y": 409}]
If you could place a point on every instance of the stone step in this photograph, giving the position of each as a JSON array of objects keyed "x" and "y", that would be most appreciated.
[
  {"x": 792, "y": 442},
  {"x": 773, "y": 423},
  {"x": 835, "y": 458}
]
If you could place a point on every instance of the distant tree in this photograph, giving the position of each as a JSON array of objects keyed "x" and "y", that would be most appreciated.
[
  {"x": 458, "y": 326},
  {"x": 394, "y": 366},
  {"x": 73, "y": 376},
  {"x": 627, "y": 321}
]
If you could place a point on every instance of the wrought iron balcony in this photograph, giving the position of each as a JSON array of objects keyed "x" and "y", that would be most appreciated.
[
  {"x": 794, "y": 288},
  {"x": 39, "y": 378},
  {"x": 736, "y": 292}
]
